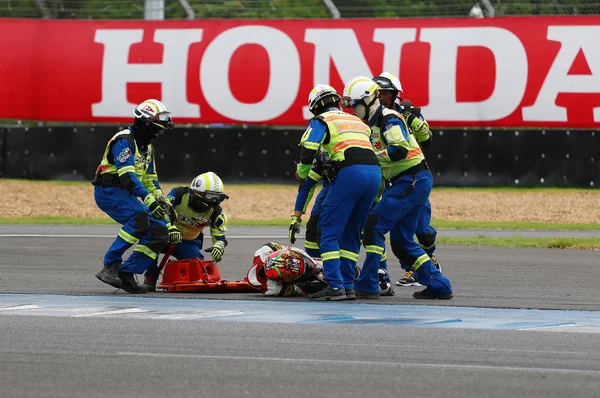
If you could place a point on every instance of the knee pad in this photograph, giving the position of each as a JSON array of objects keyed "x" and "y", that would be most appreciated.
[
  {"x": 401, "y": 253},
  {"x": 142, "y": 223},
  {"x": 369, "y": 230},
  {"x": 159, "y": 238},
  {"x": 312, "y": 228},
  {"x": 427, "y": 239}
]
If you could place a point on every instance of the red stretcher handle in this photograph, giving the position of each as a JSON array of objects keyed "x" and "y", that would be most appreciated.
[{"x": 166, "y": 258}]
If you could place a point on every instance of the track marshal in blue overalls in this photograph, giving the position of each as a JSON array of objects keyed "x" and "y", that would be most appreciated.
[
  {"x": 346, "y": 138},
  {"x": 127, "y": 172},
  {"x": 408, "y": 185}
]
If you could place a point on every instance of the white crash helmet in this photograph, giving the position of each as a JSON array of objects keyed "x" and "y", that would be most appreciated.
[
  {"x": 209, "y": 187},
  {"x": 388, "y": 82},
  {"x": 152, "y": 111},
  {"x": 321, "y": 96},
  {"x": 360, "y": 94}
]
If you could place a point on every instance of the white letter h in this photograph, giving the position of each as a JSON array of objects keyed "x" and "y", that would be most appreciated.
[{"x": 171, "y": 73}]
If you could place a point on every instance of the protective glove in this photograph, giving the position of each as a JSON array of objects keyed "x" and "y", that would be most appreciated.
[
  {"x": 216, "y": 251},
  {"x": 299, "y": 179},
  {"x": 416, "y": 112},
  {"x": 294, "y": 228},
  {"x": 175, "y": 236},
  {"x": 318, "y": 273},
  {"x": 155, "y": 208}
]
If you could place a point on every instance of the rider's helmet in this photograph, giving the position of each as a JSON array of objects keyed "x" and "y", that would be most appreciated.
[{"x": 284, "y": 266}]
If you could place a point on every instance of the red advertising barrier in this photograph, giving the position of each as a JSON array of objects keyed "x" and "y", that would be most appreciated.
[{"x": 518, "y": 71}]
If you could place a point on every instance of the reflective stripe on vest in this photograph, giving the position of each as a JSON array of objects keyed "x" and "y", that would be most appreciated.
[
  {"x": 141, "y": 161},
  {"x": 345, "y": 131}
]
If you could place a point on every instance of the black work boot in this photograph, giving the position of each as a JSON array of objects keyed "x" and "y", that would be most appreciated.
[
  {"x": 350, "y": 294},
  {"x": 130, "y": 285},
  {"x": 110, "y": 274},
  {"x": 364, "y": 295},
  {"x": 329, "y": 294},
  {"x": 427, "y": 294},
  {"x": 151, "y": 278}
]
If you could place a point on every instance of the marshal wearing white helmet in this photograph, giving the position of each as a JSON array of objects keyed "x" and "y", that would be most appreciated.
[
  {"x": 345, "y": 139},
  {"x": 190, "y": 209},
  {"x": 408, "y": 186},
  {"x": 390, "y": 91},
  {"x": 127, "y": 172},
  {"x": 321, "y": 97}
]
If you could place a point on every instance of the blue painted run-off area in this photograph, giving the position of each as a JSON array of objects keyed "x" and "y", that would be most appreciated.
[{"x": 274, "y": 311}]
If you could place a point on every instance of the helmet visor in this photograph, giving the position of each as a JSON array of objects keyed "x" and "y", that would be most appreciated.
[
  {"x": 384, "y": 84},
  {"x": 214, "y": 197},
  {"x": 163, "y": 120}
]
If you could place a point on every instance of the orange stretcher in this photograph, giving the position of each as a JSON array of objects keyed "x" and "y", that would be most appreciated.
[{"x": 195, "y": 275}]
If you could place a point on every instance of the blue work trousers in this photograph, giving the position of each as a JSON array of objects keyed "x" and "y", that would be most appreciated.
[
  {"x": 312, "y": 247},
  {"x": 344, "y": 212},
  {"x": 426, "y": 234},
  {"x": 188, "y": 249},
  {"x": 398, "y": 212},
  {"x": 128, "y": 210}
]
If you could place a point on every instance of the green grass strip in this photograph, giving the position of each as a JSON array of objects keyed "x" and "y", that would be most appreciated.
[
  {"x": 501, "y": 225},
  {"x": 511, "y": 225},
  {"x": 56, "y": 220},
  {"x": 281, "y": 222},
  {"x": 481, "y": 240},
  {"x": 544, "y": 243},
  {"x": 515, "y": 189}
]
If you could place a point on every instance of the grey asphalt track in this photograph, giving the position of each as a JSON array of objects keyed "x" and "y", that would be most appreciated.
[
  {"x": 64, "y": 259},
  {"x": 59, "y": 356}
]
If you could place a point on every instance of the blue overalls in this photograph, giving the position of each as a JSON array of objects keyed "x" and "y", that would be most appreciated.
[
  {"x": 398, "y": 212},
  {"x": 426, "y": 234},
  {"x": 124, "y": 207},
  {"x": 311, "y": 245},
  {"x": 350, "y": 195}
]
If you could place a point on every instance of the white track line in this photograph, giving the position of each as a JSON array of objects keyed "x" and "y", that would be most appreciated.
[
  {"x": 565, "y": 328},
  {"x": 20, "y": 307},
  {"x": 112, "y": 312},
  {"x": 330, "y": 362},
  {"x": 114, "y": 236}
]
